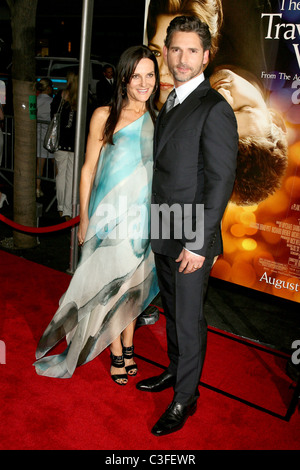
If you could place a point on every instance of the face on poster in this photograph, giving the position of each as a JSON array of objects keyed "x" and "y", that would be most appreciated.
[{"x": 255, "y": 65}]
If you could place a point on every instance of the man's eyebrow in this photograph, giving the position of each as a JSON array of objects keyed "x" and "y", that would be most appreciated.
[
  {"x": 191, "y": 48},
  {"x": 246, "y": 108}
]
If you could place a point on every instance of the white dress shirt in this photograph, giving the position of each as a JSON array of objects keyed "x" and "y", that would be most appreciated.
[{"x": 184, "y": 90}]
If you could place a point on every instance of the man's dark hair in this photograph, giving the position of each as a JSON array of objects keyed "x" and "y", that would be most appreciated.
[
  {"x": 106, "y": 67},
  {"x": 189, "y": 24}
]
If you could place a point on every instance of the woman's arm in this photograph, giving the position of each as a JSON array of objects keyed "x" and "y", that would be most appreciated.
[{"x": 93, "y": 149}]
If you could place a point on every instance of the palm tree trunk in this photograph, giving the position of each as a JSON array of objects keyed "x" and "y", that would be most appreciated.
[
  {"x": 24, "y": 164},
  {"x": 23, "y": 18}
]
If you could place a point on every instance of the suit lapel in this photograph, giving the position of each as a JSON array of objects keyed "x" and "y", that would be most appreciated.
[{"x": 177, "y": 116}]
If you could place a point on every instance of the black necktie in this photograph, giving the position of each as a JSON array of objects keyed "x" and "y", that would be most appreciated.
[{"x": 170, "y": 100}]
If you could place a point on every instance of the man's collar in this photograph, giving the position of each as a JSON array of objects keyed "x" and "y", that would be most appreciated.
[{"x": 187, "y": 88}]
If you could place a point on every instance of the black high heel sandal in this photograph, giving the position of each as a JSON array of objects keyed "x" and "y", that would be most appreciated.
[
  {"x": 128, "y": 354},
  {"x": 119, "y": 363}
]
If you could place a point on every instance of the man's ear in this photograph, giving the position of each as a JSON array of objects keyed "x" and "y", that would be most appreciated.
[{"x": 205, "y": 57}]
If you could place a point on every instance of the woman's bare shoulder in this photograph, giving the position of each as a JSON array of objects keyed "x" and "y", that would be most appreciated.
[
  {"x": 98, "y": 122},
  {"x": 101, "y": 114}
]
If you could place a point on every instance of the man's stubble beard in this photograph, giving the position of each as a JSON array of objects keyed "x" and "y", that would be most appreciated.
[{"x": 182, "y": 79}]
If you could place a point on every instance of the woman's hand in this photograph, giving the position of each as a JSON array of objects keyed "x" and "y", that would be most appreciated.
[{"x": 82, "y": 229}]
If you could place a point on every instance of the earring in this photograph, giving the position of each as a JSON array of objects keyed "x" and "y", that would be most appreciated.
[{"x": 124, "y": 88}]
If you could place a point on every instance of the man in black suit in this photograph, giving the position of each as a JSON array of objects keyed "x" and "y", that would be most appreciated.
[
  {"x": 105, "y": 86},
  {"x": 195, "y": 150}
]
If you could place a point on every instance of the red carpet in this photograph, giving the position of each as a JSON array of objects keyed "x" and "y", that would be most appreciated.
[{"x": 245, "y": 393}]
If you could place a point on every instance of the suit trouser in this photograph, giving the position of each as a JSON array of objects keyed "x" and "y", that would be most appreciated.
[{"x": 182, "y": 298}]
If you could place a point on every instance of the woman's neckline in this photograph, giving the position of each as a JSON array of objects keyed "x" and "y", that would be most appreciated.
[{"x": 135, "y": 120}]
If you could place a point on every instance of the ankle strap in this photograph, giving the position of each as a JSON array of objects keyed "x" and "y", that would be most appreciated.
[
  {"x": 117, "y": 361},
  {"x": 128, "y": 352}
]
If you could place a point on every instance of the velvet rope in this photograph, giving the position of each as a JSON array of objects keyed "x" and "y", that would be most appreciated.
[{"x": 52, "y": 228}]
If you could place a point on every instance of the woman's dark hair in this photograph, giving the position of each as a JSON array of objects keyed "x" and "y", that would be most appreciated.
[{"x": 125, "y": 69}]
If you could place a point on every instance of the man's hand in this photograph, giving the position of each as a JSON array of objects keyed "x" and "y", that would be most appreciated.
[{"x": 189, "y": 262}]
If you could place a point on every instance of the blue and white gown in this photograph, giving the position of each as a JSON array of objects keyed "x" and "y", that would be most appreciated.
[{"x": 115, "y": 279}]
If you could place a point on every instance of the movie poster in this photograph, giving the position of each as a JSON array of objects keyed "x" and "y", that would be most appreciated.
[{"x": 255, "y": 65}]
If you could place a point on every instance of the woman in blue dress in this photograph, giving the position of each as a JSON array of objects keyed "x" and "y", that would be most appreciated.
[{"x": 115, "y": 279}]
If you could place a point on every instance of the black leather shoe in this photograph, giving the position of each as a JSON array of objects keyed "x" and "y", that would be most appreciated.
[
  {"x": 174, "y": 418},
  {"x": 157, "y": 383}
]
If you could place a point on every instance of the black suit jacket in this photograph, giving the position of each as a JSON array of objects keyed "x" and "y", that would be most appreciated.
[
  {"x": 104, "y": 91},
  {"x": 195, "y": 151}
]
